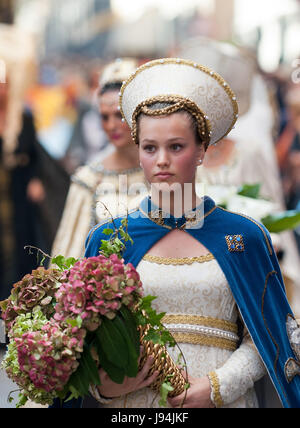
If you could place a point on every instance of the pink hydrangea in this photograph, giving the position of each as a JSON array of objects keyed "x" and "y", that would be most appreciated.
[
  {"x": 49, "y": 356},
  {"x": 94, "y": 287},
  {"x": 37, "y": 288}
]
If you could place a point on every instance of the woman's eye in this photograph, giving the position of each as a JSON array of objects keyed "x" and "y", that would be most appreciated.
[
  {"x": 176, "y": 147},
  {"x": 104, "y": 117},
  {"x": 149, "y": 149},
  {"x": 118, "y": 115}
]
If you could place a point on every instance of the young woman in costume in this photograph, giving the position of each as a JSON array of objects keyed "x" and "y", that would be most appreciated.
[{"x": 208, "y": 267}]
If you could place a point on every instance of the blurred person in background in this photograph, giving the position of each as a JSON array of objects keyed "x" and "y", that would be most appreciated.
[
  {"x": 31, "y": 183},
  {"x": 88, "y": 138},
  {"x": 104, "y": 182},
  {"x": 288, "y": 152},
  {"x": 21, "y": 187}
]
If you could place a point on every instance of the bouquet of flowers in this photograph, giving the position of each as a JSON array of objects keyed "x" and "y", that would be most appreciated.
[{"x": 64, "y": 323}]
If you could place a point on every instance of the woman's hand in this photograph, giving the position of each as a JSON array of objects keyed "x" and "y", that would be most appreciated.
[
  {"x": 197, "y": 395},
  {"x": 111, "y": 389}
]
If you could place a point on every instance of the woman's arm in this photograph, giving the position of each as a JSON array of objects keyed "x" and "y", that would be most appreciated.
[
  {"x": 238, "y": 374},
  {"x": 226, "y": 384}
]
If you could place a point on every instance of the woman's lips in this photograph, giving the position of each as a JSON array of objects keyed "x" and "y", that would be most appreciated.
[
  {"x": 163, "y": 175},
  {"x": 115, "y": 136}
]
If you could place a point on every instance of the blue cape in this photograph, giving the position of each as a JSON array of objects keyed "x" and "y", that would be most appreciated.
[{"x": 244, "y": 251}]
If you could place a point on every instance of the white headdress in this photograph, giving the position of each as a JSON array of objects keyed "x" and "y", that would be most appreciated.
[
  {"x": 187, "y": 85},
  {"x": 118, "y": 71}
]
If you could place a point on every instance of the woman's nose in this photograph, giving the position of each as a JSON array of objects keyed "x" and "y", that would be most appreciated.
[
  {"x": 111, "y": 123},
  {"x": 162, "y": 159}
]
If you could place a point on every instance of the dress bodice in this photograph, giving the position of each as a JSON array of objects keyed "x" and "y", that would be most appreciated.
[{"x": 194, "y": 286}]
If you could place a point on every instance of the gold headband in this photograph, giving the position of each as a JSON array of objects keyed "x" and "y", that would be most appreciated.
[{"x": 177, "y": 103}]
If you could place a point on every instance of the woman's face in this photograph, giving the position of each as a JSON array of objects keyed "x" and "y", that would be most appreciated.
[
  {"x": 118, "y": 132},
  {"x": 168, "y": 149}
]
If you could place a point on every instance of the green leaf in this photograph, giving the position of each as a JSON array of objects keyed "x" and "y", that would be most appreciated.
[
  {"x": 250, "y": 190},
  {"x": 75, "y": 322},
  {"x": 78, "y": 383},
  {"x": 113, "y": 343},
  {"x": 154, "y": 336},
  {"x": 115, "y": 373},
  {"x": 132, "y": 327},
  {"x": 285, "y": 220},
  {"x": 107, "y": 231},
  {"x": 165, "y": 388},
  {"x": 63, "y": 263},
  {"x": 90, "y": 367},
  {"x": 132, "y": 366}
]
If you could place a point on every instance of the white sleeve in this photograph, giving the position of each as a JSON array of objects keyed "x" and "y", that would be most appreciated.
[{"x": 237, "y": 375}]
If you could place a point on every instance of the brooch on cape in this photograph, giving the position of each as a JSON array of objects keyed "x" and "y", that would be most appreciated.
[
  {"x": 235, "y": 242},
  {"x": 292, "y": 366}
]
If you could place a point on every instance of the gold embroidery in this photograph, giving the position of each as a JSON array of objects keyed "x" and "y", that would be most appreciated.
[
  {"x": 190, "y": 222},
  {"x": 292, "y": 365},
  {"x": 200, "y": 320},
  {"x": 201, "y": 339},
  {"x": 291, "y": 369},
  {"x": 257, "y": 224},
  {"x": 215, "y": 385},
  {"x": 178, "y": 261},
  {"x": 235, "y": 242}
]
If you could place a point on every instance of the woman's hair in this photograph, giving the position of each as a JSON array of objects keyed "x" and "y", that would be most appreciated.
[
  {"x": 158, "y": 106},
  {"x": 110, "y": 86}
]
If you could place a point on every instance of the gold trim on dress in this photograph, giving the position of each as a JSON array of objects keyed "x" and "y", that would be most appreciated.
[
  {"x": 199, "y": 339},
  {"x": 215, "y": 385},
  {"x": 200, "y": 320},
  {"x": 178, "y": 261},
  {"x": 199, "y": 330}
]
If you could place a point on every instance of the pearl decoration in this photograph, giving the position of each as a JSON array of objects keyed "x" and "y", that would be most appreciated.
[{"x": 208, "y": 331}]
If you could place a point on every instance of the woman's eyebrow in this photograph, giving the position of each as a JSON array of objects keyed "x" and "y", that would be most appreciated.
[{"x": 149, "y": 140}]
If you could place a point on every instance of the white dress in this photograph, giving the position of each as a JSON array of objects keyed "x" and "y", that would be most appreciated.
[{"x": 198, "y": 287}]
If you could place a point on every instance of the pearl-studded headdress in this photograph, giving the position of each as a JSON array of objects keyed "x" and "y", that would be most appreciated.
[
  {"x": 118, "y": 70},
  {"x": 187, "y": 85}
]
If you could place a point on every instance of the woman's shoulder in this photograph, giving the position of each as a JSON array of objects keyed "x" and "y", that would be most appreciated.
[
  {"x": 241, "y": 224},
  {"x": 87, "y": 176}
]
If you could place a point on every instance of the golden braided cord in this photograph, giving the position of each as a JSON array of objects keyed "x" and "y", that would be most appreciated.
[
  {"x": 164, "y": 364},
  {"x": 178, "y": 103}
]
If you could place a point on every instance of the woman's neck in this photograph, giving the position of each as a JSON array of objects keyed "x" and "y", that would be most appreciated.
[
  {"x": 122, "y": 158},
  {"x": 177, "y": 202}
]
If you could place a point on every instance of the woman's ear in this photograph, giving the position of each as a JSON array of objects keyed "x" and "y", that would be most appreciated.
[{"x": 200, "y": 154}]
